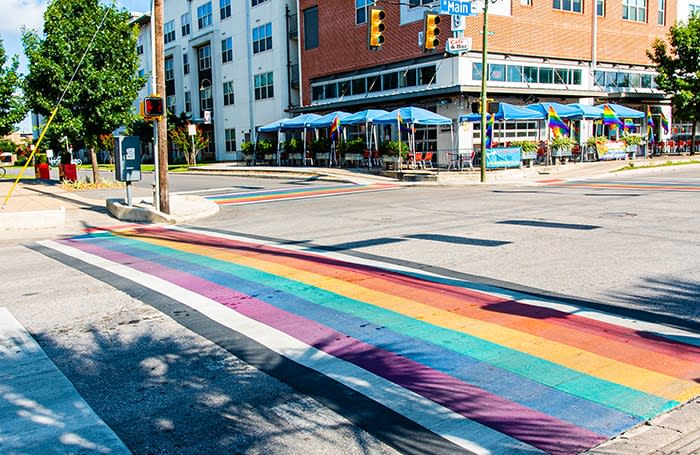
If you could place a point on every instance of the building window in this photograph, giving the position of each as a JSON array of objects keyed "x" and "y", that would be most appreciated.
[
  {"x": 227, "y": 50},
  {"x": 228, "y": 93},
  {"x": 567, "y": 5},
  {"x": 311, "y": 28},
  {"x": 204, "y": 57},
  {"x": 206, "y": 101},
  {"x": 185, "y": 63},
  {"x": 693, "y": 10},
  {"x": 257, "y": 2},
  {"x": 600, "y": 8},
  {"x": 185, "y": 24},
  {"x": 526, "y": 2},
  {"x": 230, "y": 139},
  {"x": 415, "y": 3},
  {"x": 204, "y": 15},
  {"x": 224, "y": 9},
  {"x": 661, "y": 19},
  {"x": 170, "y": 103},
  {"x": 262, "y": 38},
  {"x": 634, "y": 10},
  {"x": 169, "y": 31},
  {"x": 188, "y": 102},
  {"x": 362, "y": 10},
  {"x": 264, "y": 86},
  {"x": 139, "y": 46},
  {"x": 169, "y": 69}
]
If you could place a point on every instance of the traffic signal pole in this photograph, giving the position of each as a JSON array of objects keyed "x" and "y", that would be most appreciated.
[{"x": 161, "y": 147}]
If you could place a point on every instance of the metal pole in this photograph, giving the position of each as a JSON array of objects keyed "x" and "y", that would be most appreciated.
[
  {"x": 128, "y": 194},
  {"x": 194, "y": 152},
  {"x": 484, "y": 73}
]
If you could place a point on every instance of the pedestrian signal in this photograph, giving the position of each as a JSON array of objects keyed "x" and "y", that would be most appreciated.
[
  {"x": 152, "y": 107},
  {"x": 431, "y": 31},
  {"x": 375, "y": 29}
]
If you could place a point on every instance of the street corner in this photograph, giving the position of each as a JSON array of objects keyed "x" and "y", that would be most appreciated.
[{"x": 183, "y": 208}]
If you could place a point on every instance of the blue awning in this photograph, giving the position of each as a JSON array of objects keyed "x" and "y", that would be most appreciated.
[
  {"x": 563, "y": 110},
  {"x": 506, "y": 111},
  {"x": 325, "y": 120},
  {"x": 366, "y": 116},
  {"x": 623, "y": 111},
  {"x": 413, "y": 115}
]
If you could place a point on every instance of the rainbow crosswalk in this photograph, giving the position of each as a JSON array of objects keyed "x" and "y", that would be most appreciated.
[
  {"x": 650, "y": 185},
  {"x": 491, "y": 370},
  {"x": 285, "y": 194}
]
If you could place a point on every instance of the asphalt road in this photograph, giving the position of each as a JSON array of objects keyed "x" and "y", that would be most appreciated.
[{"x": 142, "y": 363}]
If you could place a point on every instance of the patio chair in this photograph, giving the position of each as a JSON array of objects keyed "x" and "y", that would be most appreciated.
[
  {"x": 427, "y": 161},
  {"x": 308, "y": 158},
  {"x": 417, "y": 159}
]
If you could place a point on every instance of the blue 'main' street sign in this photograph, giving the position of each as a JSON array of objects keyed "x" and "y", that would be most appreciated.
[{"x": 456, "y": 8}]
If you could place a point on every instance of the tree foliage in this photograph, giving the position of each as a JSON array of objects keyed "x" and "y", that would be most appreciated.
[
  {"x": 678, "y": 65},
  {"x": 180, "y": 137},
  {"x": 12, "y": 106},
  {"x": 99, "y": 100}
]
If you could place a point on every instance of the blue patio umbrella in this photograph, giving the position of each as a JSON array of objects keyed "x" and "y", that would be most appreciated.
[
  {"x": 623, "y": 111},
  {"x": 363, "y": 117},
  {"x": 586, "y": 111},
  {"x": 414, "y": 116},
  {"x": 273, "y": 126},
  {"x": 300, "y": 122},
  {"x": 326, "y": 120},
  {"x": 506, "y": 111},
  {"x": 563, "y": 110}
]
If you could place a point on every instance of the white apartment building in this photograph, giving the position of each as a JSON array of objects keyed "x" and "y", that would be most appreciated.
[{"x": 230, "y": 66}]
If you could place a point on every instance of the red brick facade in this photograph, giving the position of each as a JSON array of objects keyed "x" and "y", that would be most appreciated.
[{"x": 537, "y": 30}]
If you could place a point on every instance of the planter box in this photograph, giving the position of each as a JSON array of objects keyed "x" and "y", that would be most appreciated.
[
  {"x": 561, "y": 152},
  {"x": 529, "y": 155}
]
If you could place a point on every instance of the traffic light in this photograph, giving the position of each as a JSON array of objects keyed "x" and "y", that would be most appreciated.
[
  {"x": 375, "y": 29},
  {"x": 152, "y": 107},
  {"x": 431, "y": 32}
]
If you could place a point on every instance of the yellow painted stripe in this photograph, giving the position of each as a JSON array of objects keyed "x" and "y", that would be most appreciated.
[{"x": 573, "y": 358}]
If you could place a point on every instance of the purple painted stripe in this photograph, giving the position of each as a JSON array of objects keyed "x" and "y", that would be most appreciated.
[{"x": 535, "y": 428}]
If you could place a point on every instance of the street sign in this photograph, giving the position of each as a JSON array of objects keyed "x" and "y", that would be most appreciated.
[
  {"x": 207, "y": 117},
  {"x": 459, "y": 24},
  {"x": 192, "y": 129},
  {"x": 457, "y": 8},
  {"x": 459, "y": 45}
]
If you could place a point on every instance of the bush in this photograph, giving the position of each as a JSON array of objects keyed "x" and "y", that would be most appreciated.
[
  {"x": 292, "y": 145},
  {"x": 322, "y": 145},
  {"x": 525, "y": 146},
  {"x": 392, "y": 148},
  {"x": 354, "y": 146},
  {"x": 562, "y": 142},
  {"x": 632, "y": 139}
]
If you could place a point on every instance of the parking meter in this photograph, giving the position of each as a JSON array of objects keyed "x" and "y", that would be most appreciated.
[{"x": 127, "y": 166}]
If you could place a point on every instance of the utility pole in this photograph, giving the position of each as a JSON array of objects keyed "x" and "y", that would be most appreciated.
[
  {"x": 484, "y": 101},
  {"x": 161, "y": 124}
]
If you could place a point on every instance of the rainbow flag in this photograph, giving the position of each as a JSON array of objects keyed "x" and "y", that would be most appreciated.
[
  {"x": 629, "y": 125},
  {"x": 489, "y": 131},
  {"x": 650, "y": 125},
  {"x": 664, "y": 123},
  {"x": 556, "y": 124},
  {"x": 610, "y": 117},
  {"x": 335, "y": 128},
  {"x": 403, "y": 126}
]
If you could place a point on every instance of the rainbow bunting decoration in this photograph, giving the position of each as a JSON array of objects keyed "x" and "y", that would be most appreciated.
[
  {"x": 610, "y": 117},
  {"x": 556, "y": 124},
  {"x": 489, "y": 131},
  {"x": 664, "y": 123},
  {"x": 335, "y": 128}
]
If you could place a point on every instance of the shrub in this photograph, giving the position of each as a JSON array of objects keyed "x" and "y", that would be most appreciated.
[{"x": 392, "y": 148}]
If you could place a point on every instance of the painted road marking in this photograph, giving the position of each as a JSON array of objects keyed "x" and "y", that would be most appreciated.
[
  {"x": 40, "y": 410},
  {"x": 650, "y": 185},
  {"x": 486, "y": 368},
  {"x": 284, "y": 194}
]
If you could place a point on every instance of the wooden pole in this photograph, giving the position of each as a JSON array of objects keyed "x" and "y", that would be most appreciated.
[{"x": 162, "y": 125}]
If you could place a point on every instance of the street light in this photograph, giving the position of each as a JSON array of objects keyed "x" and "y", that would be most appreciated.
[{"x": 204, "y": 90}]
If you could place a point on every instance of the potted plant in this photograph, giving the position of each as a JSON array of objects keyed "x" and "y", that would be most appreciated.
[
  {"x": 41, "y": 166},
  {"x": 247, "y": 149},
  {"x": 353, "y": 149},
  {"x": 66, "y": 169},
  {"x": 320, "y": 148},
  {"x": 633, "y": 141},
  {"x": 266, "y": 150},
  {"x": 561, "y": 146},
  {"x": 528, "y": 149}
]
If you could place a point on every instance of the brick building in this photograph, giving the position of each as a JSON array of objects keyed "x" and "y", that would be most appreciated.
[{"x": 551, "y": 50}]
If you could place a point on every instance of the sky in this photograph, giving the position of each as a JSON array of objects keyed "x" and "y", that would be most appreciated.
[{"x": 29, "y": 13}]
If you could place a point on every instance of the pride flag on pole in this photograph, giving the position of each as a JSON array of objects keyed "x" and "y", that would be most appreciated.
[
  {"x": 664, "y": 123},
  {"x": 335, "y": 128},
  {"x": 610, "y": 117},
  {"x": 489, "y": 131},
  {"x": 402, "y": 125},
  {"x": 650, "y": 125},
  {"x": 556, "y": 124}
]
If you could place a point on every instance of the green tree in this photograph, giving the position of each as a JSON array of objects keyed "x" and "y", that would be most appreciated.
[
  {"x": 99, "y": 100},
  {"x": 179, "y": 135},
  {"x": 679, "y": 69},
  {"x": 12, "y": 106}
]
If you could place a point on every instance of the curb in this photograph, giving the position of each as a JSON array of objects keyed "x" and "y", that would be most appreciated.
[{"x": 189, "y": 207}]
